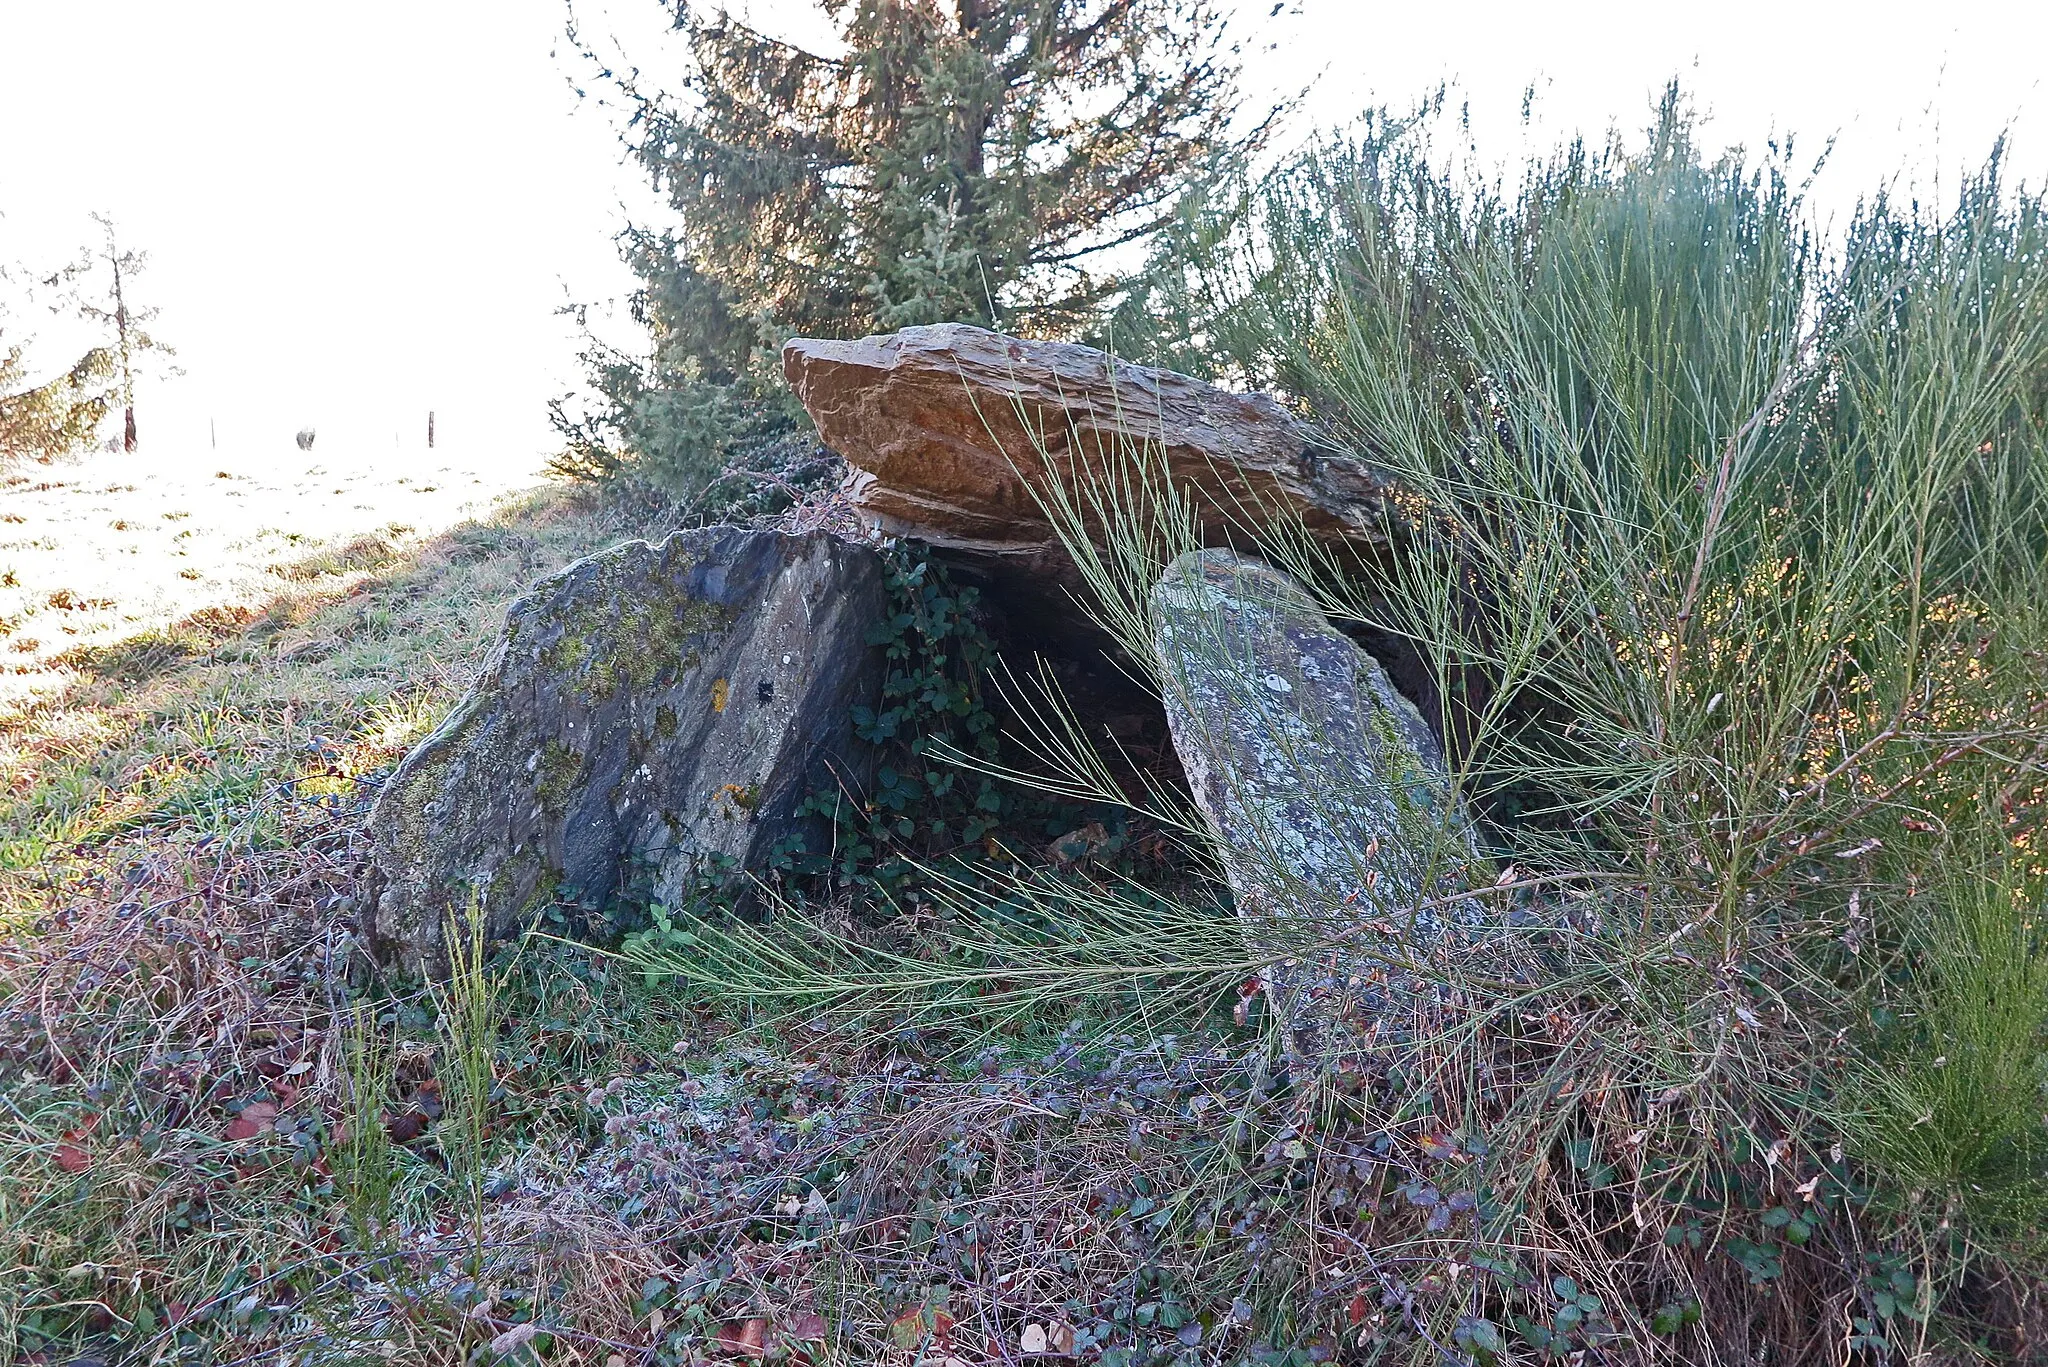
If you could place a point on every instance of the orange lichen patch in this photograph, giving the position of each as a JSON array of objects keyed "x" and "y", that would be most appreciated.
[
  {"x": 721, "y": 692},
  {"x": 740, "y": 800}
]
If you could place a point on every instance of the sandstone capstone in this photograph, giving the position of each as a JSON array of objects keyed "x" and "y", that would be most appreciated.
[{"x": 952, "y": 428}]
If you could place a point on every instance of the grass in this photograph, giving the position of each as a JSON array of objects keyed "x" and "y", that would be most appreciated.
[
  {"x": 1726, "y": 546},
  {"x": 222, "y": 1141},
  {"x": 1726, "y": 549},
  {"x": 363, "y": 1156},
  {"x": 182, "y": 1045},
  {"x": 172, "y": 728},
  {"x": 468, "y": 1009},
  {"x": 1949, "y": 1103}
]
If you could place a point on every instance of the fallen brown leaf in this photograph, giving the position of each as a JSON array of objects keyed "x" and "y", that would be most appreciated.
[
  {"x": 514, "y": 1338},
  {"x": 71, "y": 1155},
  {"x": 255, "y": 1118},
  {"x": 403, "y": 1129},
  {"x": 744, "y": 1338}
]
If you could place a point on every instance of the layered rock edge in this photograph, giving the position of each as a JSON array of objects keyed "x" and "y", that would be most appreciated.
[{"x": 952, "y": 427}]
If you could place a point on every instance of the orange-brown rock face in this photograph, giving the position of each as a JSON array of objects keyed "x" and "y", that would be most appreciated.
[{"x": 957, "y": 425}]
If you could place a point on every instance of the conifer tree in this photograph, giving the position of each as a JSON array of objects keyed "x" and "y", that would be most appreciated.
[
  {"x": 112, "y": 311},
  {"x": 54, "y": 416},
  {"x": 960, "y": 160}
]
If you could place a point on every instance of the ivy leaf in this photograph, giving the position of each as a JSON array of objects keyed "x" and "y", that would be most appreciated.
[{"x": 907, "y": 1329}]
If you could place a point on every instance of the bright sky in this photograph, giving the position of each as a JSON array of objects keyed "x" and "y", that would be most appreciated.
[{"x": 359, "y": 213}]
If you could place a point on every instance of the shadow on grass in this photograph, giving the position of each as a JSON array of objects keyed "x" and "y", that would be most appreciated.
[
  {"x": 365, "y": 628},
  {"x": 213, "y": 633},
  {"x": 148, "y": 653},
  {"x": 203, "y": 634}
]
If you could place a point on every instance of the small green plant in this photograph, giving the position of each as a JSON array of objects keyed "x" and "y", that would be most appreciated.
[
  {"x": 365, "y": 1166},
  {"x": 467, "y": 1008},
  {"x": 1893, "y": 1287},
  {"x": 661, "y": 940},
  {"x": 937, "y": 808},
  {"x": 935, "y": 654}
]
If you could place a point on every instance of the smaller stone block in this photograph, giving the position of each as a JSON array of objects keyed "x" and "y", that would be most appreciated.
[
  {"x": 653, "y": 713},
  {"x": 1325, "y": 789}
]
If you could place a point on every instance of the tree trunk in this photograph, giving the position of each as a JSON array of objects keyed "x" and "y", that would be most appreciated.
[{"x": 121, "y": 327}]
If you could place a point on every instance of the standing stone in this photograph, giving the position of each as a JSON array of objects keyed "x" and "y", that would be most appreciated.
[
  {"x": 953, "y": 427},
  {"x": 1324, "y": 788},
  {"x": 654, "y": 714}
]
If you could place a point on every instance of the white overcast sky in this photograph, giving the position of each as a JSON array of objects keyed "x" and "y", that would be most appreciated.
[{"x": 359, "y": 212}]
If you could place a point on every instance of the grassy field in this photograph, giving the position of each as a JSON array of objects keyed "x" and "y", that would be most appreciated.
[
  {"x": 97, "y": 551},
  {"x": 180, "y": 841},
  {"x": 224, "y": 1138}
]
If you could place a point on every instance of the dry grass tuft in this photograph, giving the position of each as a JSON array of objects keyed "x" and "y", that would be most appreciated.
[{"x": 183, "y": 845}]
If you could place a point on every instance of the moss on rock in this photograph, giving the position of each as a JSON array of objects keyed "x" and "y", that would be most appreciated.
[{"x": 595, "y": 744}]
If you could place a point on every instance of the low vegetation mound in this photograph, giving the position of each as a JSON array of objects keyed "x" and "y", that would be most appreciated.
[{"x": 1590, "y": 914}]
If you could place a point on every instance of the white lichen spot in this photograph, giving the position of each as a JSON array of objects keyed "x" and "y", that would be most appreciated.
[{"x": 1278, "y": 684}]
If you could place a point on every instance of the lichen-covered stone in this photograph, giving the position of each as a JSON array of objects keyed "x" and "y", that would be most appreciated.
[
  {"x": 654, "y": 714},
  {"x": 1325, "y": 789}
]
